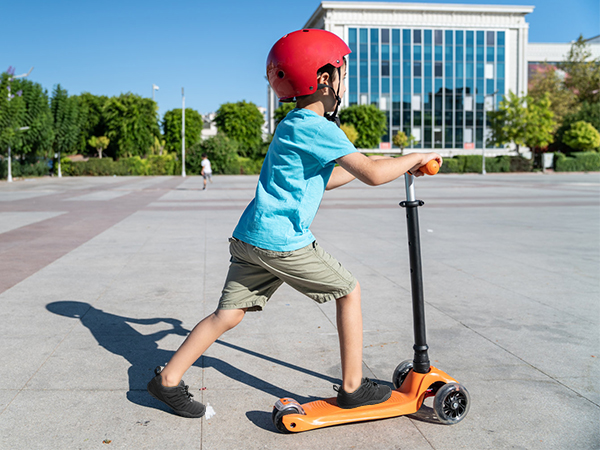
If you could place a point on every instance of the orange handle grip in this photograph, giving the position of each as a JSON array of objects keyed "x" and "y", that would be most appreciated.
[{"x": 431, "y": 168}]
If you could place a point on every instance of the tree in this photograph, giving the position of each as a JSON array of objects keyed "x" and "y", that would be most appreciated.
[
  {"x": 12, "y": 112},
  {"x": 540, "y": 123},
  {"x": 401, "y": 140},
  {"x": 282, "y": 111},
  {"x": 242, "y": 122},
  {"x": 92, "y": 121},
  {"x": 583, "y": 73},
  {"x": 221, "y": 151},
  {"x": 582, "y": 136},
  {"x": 350, "y": 132},
  {"x": 523, "y": 121},
  {"x": 587, "y": 112},
  {"x": 172, "y": 129},
  {"x": 369, "y": 121},
  {"x": 132, "y": 124},
  {"x": 65, "y": 115},
  {"x": 549, "y": 80},
  {"x": 100, "y": 143}
]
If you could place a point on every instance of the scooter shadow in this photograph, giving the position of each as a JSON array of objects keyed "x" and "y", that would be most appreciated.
[{"x": 116, "y": 334}]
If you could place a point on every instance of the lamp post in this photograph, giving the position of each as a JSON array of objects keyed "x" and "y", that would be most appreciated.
[
  {"x": 154, "y": 88},
  {"x": 182, "y": 133},
  {"x": 11, "y": 71},
  {"x": 493, "y": 96}
]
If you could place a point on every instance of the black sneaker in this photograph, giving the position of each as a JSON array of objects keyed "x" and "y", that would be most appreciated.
[
  {"x": 369, "y": 393},
  {"x": 177, "y": 398}
]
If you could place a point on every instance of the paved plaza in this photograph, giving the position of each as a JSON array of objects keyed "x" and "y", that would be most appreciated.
[{"x": 101, "y": 279}]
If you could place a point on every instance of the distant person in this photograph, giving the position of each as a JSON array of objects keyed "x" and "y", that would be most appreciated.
[
  {"x": 206, "y": 171},
  {"x": 272, "y": 243}
]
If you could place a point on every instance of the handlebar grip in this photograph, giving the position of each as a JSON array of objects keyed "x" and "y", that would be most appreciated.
[{"x": 431, "y": 168}]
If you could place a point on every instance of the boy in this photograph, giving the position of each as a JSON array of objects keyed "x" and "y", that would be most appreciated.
[
  {"x": 206, "y": 171},
  {"x": 272, "y": 242}
]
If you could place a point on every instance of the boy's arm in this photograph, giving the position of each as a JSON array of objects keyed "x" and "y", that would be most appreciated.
[
  {"x": 341, "y": 176},
  {"x": 375, "y": 172}
]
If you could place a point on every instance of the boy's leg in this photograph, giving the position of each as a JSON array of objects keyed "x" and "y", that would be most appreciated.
[
  {"x": 355, "y": 391},
  {"x": 349, "y": 323},
  {"x": 198, "y": 341}
]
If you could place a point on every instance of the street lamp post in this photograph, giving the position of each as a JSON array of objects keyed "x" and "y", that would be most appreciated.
[
  {"x": 182, "y": 133},
  {"x": 9, "y": 178},
  {"x": 154, "y": 88},
  {"x": 493, "y": 96}
]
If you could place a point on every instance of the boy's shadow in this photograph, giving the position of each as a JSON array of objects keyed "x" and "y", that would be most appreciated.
[{"x": 116, "y": 335}]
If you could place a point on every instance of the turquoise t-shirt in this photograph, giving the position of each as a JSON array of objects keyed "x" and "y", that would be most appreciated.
[{"x": 292, "y": 182}]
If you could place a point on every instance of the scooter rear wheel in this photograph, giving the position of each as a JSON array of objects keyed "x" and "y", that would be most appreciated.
[
  {"x": 451, "y": 403},
  {"x": 277, "y": 417}
]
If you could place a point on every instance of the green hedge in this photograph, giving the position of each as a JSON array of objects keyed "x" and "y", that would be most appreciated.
[
  {"x": 472, "y": 164},
  {"x": 153, "y": 165},
  {"x": 579, "y": 162},
  {"x": 22, "y": 169}
]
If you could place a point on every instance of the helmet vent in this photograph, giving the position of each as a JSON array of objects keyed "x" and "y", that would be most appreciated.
[{"x": 280, "y": 74}]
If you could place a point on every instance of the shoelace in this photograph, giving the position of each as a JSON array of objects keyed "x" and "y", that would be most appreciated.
[{"x": 186, "y": 391}]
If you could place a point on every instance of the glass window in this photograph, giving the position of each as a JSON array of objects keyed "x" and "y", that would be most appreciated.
[
  {"x": 427, "y": 52},
  {"x": 406, "y": 86},
  {"x": 406, "y": 36},
  {"x": 417, "y": 85},
  {"x": 395, "y": 118},
  {"x": 468, "y": 135},
  {"x": 428, "y": 69},
  {"x": 406, "y": 52},
  {"x": 439, "y": 37},
  {"x": 468, "y": 103},
  {"x": 459, "y": 135},
  {"x": 438, "y": 69},
  {"x": 469, "y": 53},
  {"x": 439, "y": 52},
  {"x": 459, "y": 70},
  {"x": 500, "y": 38},
  {"x": 374, "y": 35},
  {"x": 500, "y": 87},
  {"x": 449, "y": 51},
  {"x": 490, "y": 38},
  {"x": 352, "y": 35},
  {"x": 469, "y": 119},
  {"x": 489, "y": 86},
  {"x": 480, "y": 71},
  {"x": 417, "y": 52},
  {"x": 480, "y": 54},
  {"x": 439, "y": 84},
  {"x": 449, "y": 70},
  {"x": 480, "y": 38},
  {"x": 470, "y": 73},
  {"x": 385, "y": 85},
  {"x": 385, "y": 36},
  {"x": 459, "y": 37},
  {"x": 406, "y": 68},
  {"x": 427, "y": 137},
  {"x": 385, "y": 68},
  {"x": 416, "y": 102},
  {"x": 417, "y": 69},
  {"x": 406, "y": 117},
  {"x": 385, "y": 52},
  {"x": 396, "y": 84},
  {"x": 448, "y": 137},
  {"x": 500, "y": 54},
  {"x": 417, "y": 119},
  {"x": 470, "y": 41},
  {"x": 416, "y": 36},
  {"x": 459, "y": 53},
  {"x": 489, "y": 56},
  {"x": 427, "y": 34}
]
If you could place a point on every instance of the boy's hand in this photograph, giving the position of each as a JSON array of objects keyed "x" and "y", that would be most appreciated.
[{"x": 426, "y": 158}]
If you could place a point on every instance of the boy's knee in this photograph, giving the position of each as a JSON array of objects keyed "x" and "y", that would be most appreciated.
[{"x": 229, "y": 318}]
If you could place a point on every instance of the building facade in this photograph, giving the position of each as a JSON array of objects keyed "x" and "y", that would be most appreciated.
[{"x": 435, "y": 70}]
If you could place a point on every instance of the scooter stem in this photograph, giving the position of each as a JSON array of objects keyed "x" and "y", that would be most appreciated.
[{"x": 421, "y": 358}]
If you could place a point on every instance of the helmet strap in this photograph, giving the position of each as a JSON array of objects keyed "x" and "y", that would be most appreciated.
[{"x": 333, "y": 117}]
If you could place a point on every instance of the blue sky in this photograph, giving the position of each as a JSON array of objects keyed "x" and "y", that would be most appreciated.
[{"x": 215, "y": 49}]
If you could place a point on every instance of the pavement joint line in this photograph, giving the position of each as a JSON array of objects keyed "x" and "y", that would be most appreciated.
[{"x": 528, "y": 363}]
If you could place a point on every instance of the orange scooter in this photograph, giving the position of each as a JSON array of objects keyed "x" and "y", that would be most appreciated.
[{"x": 414, "y": 381}]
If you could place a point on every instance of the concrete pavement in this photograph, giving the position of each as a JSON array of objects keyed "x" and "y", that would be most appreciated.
[{"x": 101, "y": 279}]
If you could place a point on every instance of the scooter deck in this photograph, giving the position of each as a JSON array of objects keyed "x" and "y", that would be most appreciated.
[{"x": 405, "y": 400}]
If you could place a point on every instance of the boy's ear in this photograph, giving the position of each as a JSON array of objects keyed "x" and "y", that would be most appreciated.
[{"x": 323, "y": 78}]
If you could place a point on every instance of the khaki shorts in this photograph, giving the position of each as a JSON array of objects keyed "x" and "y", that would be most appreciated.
[{"x": 255, "y": 274}]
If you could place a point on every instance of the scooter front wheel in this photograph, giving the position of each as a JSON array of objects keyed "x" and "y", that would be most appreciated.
[{"x": 451, "y": 403}]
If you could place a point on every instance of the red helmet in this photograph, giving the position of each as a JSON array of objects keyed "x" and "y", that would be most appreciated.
[{"x": 294, "y": 60}]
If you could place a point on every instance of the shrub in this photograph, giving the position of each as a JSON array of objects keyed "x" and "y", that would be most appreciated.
[
  {"x": 243, "y": 166},
  {"x": 580, "y": 162},
  {"x": 37, "y": 168}
]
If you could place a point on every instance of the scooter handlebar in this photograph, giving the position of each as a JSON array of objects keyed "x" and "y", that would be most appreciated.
[{"x": 431, "y": 168}]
